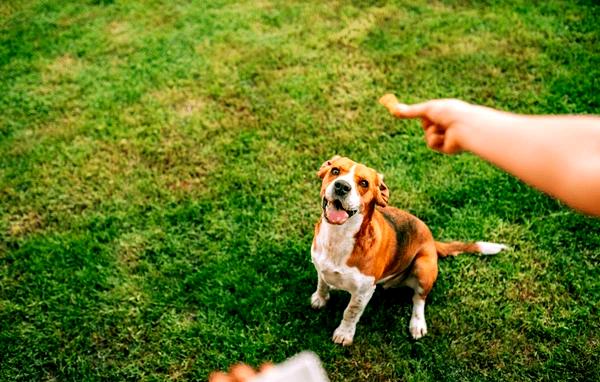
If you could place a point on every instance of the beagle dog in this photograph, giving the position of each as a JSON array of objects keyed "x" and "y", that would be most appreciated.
[{"x": 360, "y": 242}]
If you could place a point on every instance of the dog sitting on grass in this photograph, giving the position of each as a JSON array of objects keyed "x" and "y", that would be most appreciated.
[{"x": 360, "y": 242}]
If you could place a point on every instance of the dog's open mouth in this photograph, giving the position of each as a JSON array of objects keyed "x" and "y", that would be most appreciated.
[{"x": 335, "y": 213}]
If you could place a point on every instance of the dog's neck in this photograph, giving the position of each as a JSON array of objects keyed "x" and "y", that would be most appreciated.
[{"x": 337, "y": 241}]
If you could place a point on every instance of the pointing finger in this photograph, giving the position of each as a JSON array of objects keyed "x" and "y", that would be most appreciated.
[{"x": 411, "y": 111}]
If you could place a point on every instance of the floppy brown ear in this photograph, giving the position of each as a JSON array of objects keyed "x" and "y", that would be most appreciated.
[
  {"x": 383, "y": 192},
  {"x": 326, "y": 166}
]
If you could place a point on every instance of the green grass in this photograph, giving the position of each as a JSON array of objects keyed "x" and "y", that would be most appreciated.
[{"x": 158, "y": 188}]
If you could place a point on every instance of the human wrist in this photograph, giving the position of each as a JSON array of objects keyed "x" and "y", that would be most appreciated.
[{"x": 479, "y": 127}]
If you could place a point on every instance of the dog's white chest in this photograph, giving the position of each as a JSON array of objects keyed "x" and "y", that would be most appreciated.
[{"x": 334, "y": 247}]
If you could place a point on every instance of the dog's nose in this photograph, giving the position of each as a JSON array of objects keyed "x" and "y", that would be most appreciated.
[{"x": 341, "y": 187}]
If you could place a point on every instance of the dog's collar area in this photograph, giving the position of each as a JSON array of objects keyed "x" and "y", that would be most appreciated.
[{"x": 349, "y": 212}]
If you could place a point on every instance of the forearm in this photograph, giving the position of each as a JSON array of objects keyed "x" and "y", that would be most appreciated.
[{"x": 558, "y": 155}]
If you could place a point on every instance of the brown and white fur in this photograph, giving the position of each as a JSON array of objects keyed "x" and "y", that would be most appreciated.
[{"x": 360, "y": 242}]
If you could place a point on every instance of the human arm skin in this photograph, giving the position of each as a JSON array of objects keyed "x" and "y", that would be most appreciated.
[{"x": 559, "y": 155}]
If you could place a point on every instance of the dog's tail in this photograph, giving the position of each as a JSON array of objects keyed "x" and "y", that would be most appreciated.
[{"x": 456, "y": 247}]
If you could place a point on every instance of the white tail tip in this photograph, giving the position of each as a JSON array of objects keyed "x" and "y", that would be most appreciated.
[{"x": 488, "y": 248}]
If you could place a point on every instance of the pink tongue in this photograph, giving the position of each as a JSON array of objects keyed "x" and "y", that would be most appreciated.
[{"x": 336, "y": 216}]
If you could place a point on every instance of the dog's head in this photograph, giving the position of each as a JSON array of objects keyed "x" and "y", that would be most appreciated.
[{"x": 350, "y": 188}]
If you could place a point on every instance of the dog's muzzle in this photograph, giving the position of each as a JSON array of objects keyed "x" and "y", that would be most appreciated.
[{"x": 334, "y": 212}]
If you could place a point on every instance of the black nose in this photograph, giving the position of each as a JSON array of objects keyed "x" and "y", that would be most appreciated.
[{"x": 341, "y": 187}]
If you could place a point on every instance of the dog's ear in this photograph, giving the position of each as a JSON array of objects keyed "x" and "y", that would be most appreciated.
[
  {"x": 326, "y": 166},
  {"x": 383, "y": 192}
]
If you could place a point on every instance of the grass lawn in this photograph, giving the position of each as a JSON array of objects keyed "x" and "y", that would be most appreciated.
[{"x": 158, "y": 189}]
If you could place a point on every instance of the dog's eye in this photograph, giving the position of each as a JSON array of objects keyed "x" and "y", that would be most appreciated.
[
  {"x": 335, "y": 171},
  {"x": 364, "y": 183}
]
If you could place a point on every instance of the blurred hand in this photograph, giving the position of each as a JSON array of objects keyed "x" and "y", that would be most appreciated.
[{"x": 237, "y": 373}]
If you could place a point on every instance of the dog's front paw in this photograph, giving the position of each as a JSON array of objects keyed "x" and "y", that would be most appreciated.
[
  {"x": 343, "y": 335},
  {"x": 418, "y": 327},
  {"x": 317, "y": 301}
]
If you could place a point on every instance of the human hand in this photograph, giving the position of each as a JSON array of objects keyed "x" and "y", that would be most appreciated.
[
  {"x": 238, "y": 373},
  {"x": 446, "y": 122}
]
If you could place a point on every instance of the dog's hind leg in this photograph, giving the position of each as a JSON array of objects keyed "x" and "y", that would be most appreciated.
[{"x": 421, "y": 281}]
